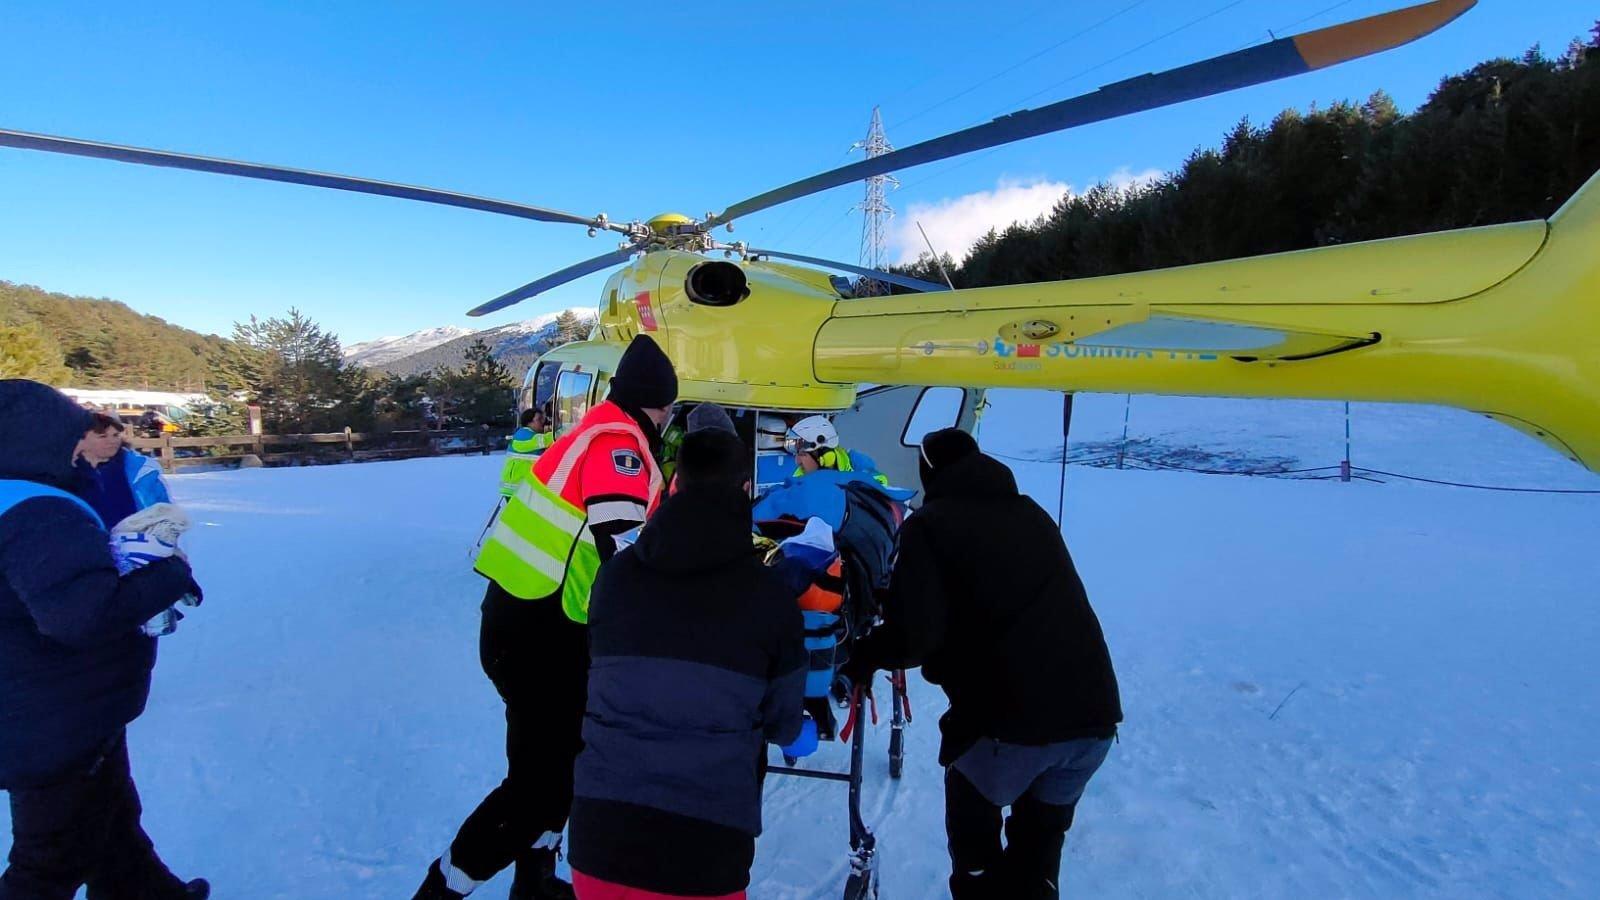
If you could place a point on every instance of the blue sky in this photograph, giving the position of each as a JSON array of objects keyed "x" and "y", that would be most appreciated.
[{"x": 626, "y": 109}]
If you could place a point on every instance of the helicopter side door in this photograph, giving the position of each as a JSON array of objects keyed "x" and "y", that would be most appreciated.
[{"x": 888, "y": 423}]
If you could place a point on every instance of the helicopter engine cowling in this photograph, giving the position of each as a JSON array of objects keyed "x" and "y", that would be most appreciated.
[{"x": 716, "y": 283}]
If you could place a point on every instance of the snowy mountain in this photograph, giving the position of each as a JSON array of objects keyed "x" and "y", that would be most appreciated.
[
  {"x": 516, "y": 345},
  {"x": 382, "y": 350}
]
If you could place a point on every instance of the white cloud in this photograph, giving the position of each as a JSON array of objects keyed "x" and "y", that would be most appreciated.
[
  {"x": 1124, "y": 178},
  {"x": 955, "y": 224}
]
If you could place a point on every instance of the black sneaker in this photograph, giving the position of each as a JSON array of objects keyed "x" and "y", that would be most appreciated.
[{"x": 536, "y": 878}]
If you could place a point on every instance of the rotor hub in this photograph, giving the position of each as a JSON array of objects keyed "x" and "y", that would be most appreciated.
[{"x": 668, "y": 224}]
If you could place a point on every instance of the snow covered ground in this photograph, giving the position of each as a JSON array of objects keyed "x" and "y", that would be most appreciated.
[{"x": 1332, "y": 690}]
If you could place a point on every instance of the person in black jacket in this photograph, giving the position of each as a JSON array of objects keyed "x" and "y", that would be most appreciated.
[
  {"x": 74, "y": 669},
  {"x": 698, "y": 662},
  {"x": 984, "y": 596}
]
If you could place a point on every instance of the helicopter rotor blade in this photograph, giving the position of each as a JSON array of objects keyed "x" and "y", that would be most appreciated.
[
  {"x": 1277, "y": 59},
  {"x": 25, "y": 141},
  {"x": 555, "y": 279},
  {"x": 875, "y": 274}
]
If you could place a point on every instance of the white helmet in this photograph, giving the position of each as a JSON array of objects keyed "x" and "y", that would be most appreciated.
[{"x": 813, "y": 435}]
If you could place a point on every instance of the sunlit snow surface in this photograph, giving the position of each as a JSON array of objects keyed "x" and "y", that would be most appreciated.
[{"x": 319, "y": 728}]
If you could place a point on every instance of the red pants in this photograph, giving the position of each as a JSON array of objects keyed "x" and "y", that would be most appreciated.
[{"x": 594, "y": 889}]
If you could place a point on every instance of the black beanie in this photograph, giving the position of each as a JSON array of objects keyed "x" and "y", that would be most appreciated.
[
  {"x": 942, "y": 449},
  {"x": 710, "y": 415},
  {"x": 713, "y": 457},
  {"x": 645, "y": 378}
]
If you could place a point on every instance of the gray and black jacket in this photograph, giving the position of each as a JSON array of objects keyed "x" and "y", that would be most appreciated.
[{"x": 698, "y": 662}]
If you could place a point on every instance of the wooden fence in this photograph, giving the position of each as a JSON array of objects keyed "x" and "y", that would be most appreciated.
[{"x": 292, "y": 449}]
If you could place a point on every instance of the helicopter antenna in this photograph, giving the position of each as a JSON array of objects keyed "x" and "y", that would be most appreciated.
[
  {"x": 875, "y": 209},
  {"x": 939, "y": 260}
]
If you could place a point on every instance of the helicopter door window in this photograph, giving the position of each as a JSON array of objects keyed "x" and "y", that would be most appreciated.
[
  {"x": 543, "y": 384},
  {"x": 938, "y": 407},
  {"x": 572, "y": 398}
]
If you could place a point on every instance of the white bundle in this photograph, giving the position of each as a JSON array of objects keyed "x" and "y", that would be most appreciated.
[{"x": 148, "y": 535}]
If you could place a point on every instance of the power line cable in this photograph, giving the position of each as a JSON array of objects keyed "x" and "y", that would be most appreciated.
[
  {"x": 1089, "y": 71},
  {"x": 1121, "y": 56},
  {"x": 1116, "y": 15},
  {"x": 972, "y": 158},
  {"x": 1273, "y": 33},
  {"x": 1020, "y": 63},
  {"x": 1298, "y": 22},
  {"x": 1028, "y": 16}
]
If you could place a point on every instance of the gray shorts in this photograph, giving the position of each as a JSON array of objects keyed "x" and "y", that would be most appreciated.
[{"x": 1054, "y": 773}]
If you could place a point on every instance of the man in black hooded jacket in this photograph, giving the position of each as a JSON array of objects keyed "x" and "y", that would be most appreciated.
[
  {"x": 74, "y": 669},
  {"x": 699, "y": 662},
  {"x": 984, "y": 596}
]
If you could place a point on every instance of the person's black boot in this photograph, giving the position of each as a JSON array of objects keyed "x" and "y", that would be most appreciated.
[
  {"x": 434, "y": 887},
  {"x": 159, "y": 884},
  {"x": 536, "y": 878},
  {"x": 1035, "y": 833}
]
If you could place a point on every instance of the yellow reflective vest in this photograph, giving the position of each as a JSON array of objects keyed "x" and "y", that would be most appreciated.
[
  {"x": 524, "y": 449},
  {"x": 841, "y": 460},
  {"x": 540, "y": 544}
]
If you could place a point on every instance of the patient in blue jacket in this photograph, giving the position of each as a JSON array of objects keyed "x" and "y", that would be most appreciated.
[{"x": 74, "y": 668}]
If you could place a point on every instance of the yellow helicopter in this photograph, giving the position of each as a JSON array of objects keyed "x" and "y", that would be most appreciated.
[{"x": 1501, "y": 320}]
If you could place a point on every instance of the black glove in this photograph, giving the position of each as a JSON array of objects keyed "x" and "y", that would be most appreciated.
[{"x": 194, "y": 596}]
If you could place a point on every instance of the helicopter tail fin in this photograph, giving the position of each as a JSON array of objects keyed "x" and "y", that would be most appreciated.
[{"x": 1550, "y": 312}]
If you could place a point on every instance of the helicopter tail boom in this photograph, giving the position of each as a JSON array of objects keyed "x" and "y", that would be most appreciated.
[{"x": 1503, "y": 320}]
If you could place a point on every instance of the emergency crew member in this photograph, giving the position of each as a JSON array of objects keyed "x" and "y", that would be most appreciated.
[
  {"x": 527, "y": 444},
  {"x": 669, "y": 782},
  {"x": 1017, "y": 648},
  {"x": 814, "y": 442},
  {"x": 541, "y": 558}
]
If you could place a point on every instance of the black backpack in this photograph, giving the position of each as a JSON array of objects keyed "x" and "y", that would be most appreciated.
[{"x": 866, "y": 540}]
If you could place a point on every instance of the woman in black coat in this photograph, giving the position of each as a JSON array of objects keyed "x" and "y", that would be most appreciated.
[{"x": 74, "y": 669}]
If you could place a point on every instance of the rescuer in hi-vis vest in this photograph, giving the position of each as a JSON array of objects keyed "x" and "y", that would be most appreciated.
[
  {"x": 541, "y": 556},
  {"x": 814, "y": 444},
  {"x": 531, "y": 439}
]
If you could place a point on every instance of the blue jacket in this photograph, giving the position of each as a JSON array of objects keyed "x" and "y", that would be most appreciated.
[
  {"x": 122, "y": 486},
  {"x": 819, "y": 495},
  {"x": 698, "y": 661},
  {"x": 74, "y": 666}
]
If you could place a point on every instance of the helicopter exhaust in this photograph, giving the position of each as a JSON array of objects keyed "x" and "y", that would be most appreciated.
[{"x": 716, "y": 283}]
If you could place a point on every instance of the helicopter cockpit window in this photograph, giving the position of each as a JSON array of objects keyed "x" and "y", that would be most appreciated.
[
  {"x": 572, "y": 398},
  {"x": 542, "y": 386},
  {"x": 938, "y": 407}
]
